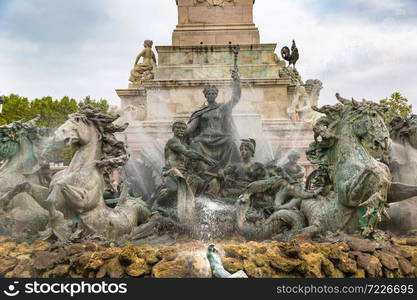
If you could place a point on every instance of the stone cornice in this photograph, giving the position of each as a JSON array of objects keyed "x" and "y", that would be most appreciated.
[
  {"x": 214, "y": 48},
  {"x": 219, "y": 82},
  {"x": 131, "y": 92}
]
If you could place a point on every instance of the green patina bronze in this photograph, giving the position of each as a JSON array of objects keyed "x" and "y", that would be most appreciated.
[
  {"x": 352, "y": 188},
  {"x": 359, "y": 181},
  {"x": 17, "y": 142}
]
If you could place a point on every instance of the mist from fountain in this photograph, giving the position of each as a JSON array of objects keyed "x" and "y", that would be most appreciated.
[
  {"x": 143, "y": 170},
  {"x": 404, "y": 160}
]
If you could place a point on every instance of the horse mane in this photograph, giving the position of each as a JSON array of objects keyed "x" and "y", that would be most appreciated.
[
  {"x": 13, "y": 131},
  {"x": 11, "y": 134},
  {"x": 346, "y": 111},
  {"x": 114, "y": 152}
]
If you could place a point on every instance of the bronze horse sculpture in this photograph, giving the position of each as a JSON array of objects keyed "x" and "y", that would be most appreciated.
[
  {"x": 362, "y": 188},
  {"x": 75, "y": 194}
]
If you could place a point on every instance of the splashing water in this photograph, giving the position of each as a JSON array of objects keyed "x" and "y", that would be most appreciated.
[
  {"x": 403, "y": 158},
  {"x": 214, "y": 217}
]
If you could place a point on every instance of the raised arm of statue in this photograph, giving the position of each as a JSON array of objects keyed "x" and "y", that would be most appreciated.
[{"x": 236, "y": 90}]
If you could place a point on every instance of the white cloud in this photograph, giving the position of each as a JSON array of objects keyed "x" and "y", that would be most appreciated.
[{"x": 397, "y": 7}]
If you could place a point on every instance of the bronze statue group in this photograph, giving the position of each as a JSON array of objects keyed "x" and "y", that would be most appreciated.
[{"x": 204, "y": 158}]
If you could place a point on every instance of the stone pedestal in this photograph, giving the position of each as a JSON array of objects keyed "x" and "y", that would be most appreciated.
[
  {"x": 215, "y": 61},
  {"x": 183, "y": 72}
]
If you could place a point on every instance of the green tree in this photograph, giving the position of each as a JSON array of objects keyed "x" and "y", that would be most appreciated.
[
  {"x": 53, "y": 113},
  {"x": 102, "y": 103},
  {"x": 398, "y": 107},
  {"x": 15, "y": 108}
]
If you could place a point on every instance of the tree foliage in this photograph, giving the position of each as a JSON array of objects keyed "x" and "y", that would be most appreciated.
[
  {"x": 15, "y": 108},
  {"x": 52, "y": 113},
  {"x": 102, "y": 103},
  {"x": 398, "y": 107}
]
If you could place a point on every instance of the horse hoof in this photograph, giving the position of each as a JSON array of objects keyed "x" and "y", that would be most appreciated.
[{"x": 46, "y": 234}]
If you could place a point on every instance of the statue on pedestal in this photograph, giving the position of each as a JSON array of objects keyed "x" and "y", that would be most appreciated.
[
  {"x": 290, "y": 56},
  {"x": 312, "y": 88},
  {"x": 143, "y": 71},
  {"x": 295, "y": 107},
  {"x": 211, "y": 128}
]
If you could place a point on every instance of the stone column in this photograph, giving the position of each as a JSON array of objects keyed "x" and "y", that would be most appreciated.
[{"x": 215, "y": 22}]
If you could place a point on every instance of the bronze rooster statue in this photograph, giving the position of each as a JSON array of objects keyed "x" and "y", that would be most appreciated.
[{"x": 290, "y": 56}]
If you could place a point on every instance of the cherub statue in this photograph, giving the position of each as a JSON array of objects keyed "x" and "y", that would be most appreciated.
[{"x": 291, "y": 169}]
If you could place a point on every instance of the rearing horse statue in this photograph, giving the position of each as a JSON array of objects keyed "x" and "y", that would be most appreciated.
[
  {"x": 363, "y": 187},
  {"x": 19, "y": 146},
  {"x": 76, "y": 193}
]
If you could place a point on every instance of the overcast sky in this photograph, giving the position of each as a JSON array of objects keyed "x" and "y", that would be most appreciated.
[{"x": 360, "y": 48}]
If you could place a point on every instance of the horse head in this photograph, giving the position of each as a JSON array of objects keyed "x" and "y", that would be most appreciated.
[
  {"x": 76, "y": 131},
  {"x": 92, "y": 130},
  {"x": 347, "y": 123},
  {"x": 370, "y": 127},
  {"x": 366, "y": 120}
]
